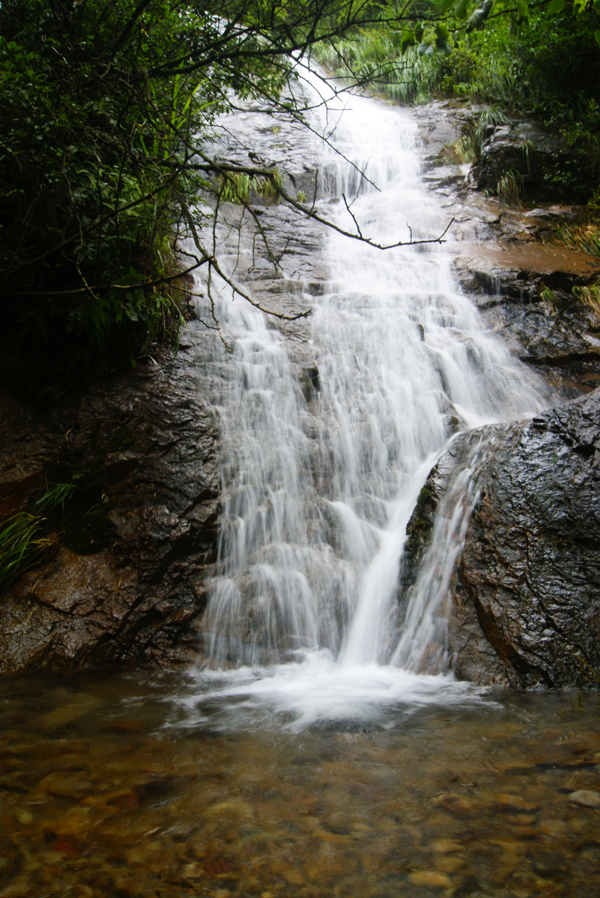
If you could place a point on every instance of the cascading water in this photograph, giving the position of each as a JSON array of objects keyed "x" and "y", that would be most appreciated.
[{"x": 317, "y": 493}]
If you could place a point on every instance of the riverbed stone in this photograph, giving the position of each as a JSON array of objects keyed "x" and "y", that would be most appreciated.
[{"x": 586, "y": 798}]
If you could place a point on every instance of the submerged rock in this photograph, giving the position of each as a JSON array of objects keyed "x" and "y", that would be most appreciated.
[
  {"x": 525, "y": 606},
  {"x": 122, "y": 578}
]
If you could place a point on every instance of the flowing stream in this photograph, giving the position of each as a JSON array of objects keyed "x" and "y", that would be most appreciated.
[{"x": 319, "y": 483}]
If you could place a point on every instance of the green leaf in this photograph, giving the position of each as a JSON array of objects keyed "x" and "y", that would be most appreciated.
[
  {"x": 407, "y": 40},
  {"x": 597, "y": 36},
  {"x": 442, "y": 36},
  {"x": 555, "y": 7},
  {"x": 460, "y": 9},
  {"x": 523, "y": 9}
]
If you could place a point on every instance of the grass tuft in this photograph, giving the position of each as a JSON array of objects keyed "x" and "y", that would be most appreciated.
[{"x": 21, "y": 545}]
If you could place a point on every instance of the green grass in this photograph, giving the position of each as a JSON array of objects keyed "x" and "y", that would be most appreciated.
[
  {"x": 22, "y": 538},
  {"x": 374, "y": 59},
  {"x": 21, "y": 545}
]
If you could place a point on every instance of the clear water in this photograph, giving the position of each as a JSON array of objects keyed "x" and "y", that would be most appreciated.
[
  {"x": 121, "y": 786},
  {"x": 318, "y": 490}
]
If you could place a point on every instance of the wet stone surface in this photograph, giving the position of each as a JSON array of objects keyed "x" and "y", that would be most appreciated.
[
  {"x": 524, "y": 603},
  {"x": 100, "y": 798},
  {"x": 121, "y": 581}
]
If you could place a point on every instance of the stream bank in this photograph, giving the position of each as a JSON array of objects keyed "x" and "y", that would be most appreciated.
[
  {"x": 506, "y": 257},
  {"x": 524, "y": 605}
]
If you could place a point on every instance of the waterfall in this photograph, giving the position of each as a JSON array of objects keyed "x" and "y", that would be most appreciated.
[{"x": 319, "y": 485}]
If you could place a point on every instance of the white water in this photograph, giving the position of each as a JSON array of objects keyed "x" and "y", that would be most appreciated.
[{"x": 303, "y": 607}]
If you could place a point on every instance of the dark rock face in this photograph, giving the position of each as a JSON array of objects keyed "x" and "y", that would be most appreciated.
[
  {"x": 123, "y": 580},
  {"x": 528, "y": 152},
  {"x": 541, "y": 319},
  {"x": 526, "y": 593}
]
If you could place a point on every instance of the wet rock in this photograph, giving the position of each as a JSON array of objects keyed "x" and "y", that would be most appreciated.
[
  {"x": 531, "y": 565},
  {"x": 507, "y": 258},
  {"x": 422, "y": 519},
  {"x": 526, "y": 294},
  {"x": 529, "y": 153},
  {"x": 473, "y": 656},
  {"x": 527, "y": 587},
  {"x": 123, "y": 580}
]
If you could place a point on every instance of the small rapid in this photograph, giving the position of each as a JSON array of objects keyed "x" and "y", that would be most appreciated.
[{"x": 304, "y": 616}]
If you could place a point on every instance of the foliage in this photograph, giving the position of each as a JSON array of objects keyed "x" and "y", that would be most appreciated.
[
  {"x": 509, "y": 189},
  {"x": 20, "y": 546},
  {"x": 240, "y": 187},
  {"x": 378, "y": 58},
  {"x": 468, "y": 147},
  {"x": 589, "y": 296},
  {"x": 108, "y": 107}
]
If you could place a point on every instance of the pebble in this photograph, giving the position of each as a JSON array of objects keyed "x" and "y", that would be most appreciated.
[
  {"x": 431, "y": 878},
  {"x": 193, "y": 871},
  {"x": 234, "y": 810},
  {"x": 456, "y": 804},
  {"x": 509, "y": 802},
  {"x": 446, "y": 846},
  {"x": 586, "y": 798},
  {"x": 24, "y": 817}
]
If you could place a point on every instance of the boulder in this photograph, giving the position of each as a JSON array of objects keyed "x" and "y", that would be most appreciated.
[{"x": 525, "y": 594}]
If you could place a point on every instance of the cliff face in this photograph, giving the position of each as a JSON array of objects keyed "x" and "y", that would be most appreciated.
[
  {"x": 121, "y": 581},
  {"x": 524, "y": 608}
]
